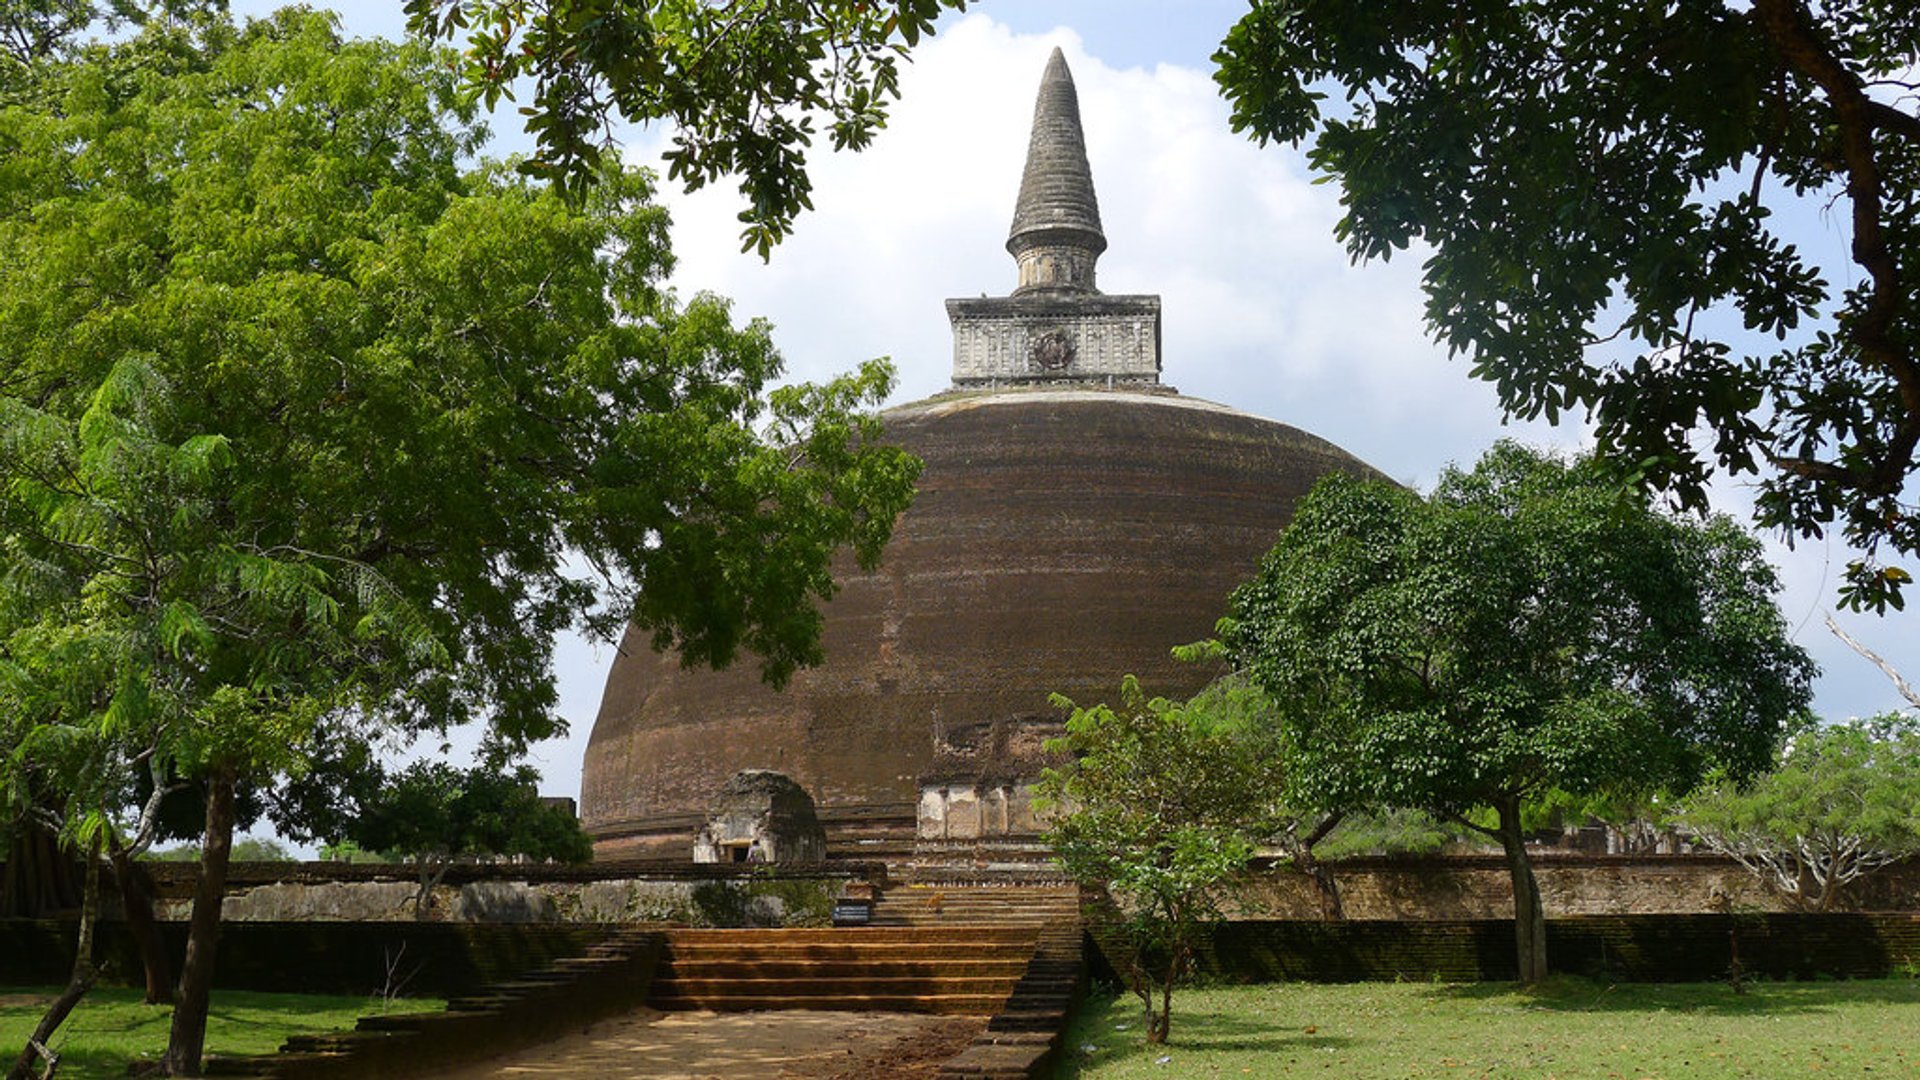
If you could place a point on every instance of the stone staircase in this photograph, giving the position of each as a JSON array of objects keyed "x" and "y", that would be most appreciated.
[
  {"x": 967, "y": 970},
  {"x": 1022, "y": 1040},
  {"x": 608, "y": 979},
  {"x": 1000, "y": 854},
  {"x": 938, "y": 904}
]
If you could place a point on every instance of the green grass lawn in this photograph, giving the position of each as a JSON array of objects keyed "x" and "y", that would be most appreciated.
[
  {"x": 1565, "y": 1029},
  {"x": 111, "y": 1027}
]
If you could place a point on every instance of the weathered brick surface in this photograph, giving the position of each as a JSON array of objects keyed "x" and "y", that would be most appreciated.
[
  {"x": 1060, "y": 539},
  {"x": 1627, "y": 948},
  {"x": 1480, "y": 887},
  {"x": 409, "y": 958}
]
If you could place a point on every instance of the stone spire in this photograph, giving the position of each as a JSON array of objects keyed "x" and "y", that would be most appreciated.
[
  {"x": 1056, "y": 225},
  {"x": 1057, "y": 329}
]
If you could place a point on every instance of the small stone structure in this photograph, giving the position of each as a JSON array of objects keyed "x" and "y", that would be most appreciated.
[
  {"x": 761, "y": 816},
  {"x": 981, "y": 784}
]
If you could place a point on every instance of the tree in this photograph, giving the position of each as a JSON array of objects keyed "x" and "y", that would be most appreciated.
[
  {"x": 1843, "y": 801},
  {"x": 745, "y": 83},
  {"x": 1597, "y": 182},
  {"x": 308, "y": 423},
  {"x": 1232, "y": 706},
  {"x": 1160, "y": 806},
  {"x": 435, "y": 815},
  {"x": 59, "y": 778},
  {"x": 1528, "y": 626},
  {"x": 34, "y": 30}
]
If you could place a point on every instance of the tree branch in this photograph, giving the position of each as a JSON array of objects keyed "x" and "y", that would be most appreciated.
[
  {"x": 1906, "y": 690},
  {"x": 1790, "y": 30},
  {"x": 1460, "y": 819},
  {"x": 1888, "y": 118}
]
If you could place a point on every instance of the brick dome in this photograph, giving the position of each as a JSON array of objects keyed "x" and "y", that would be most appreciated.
[{"x": 1060, "y": 539}]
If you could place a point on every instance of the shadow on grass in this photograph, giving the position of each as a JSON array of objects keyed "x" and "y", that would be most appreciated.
[
  {"x": 1195, "y": 1029},
  {"x": 84, "y": 1064},
  {"x": 1567, "y": 993}
]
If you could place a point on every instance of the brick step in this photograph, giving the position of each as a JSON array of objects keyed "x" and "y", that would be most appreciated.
[
  {"x": 997, "y": 899},
  {"x": 938, "y": 950},
  {"x": 398, "y": 1021},
  {"x": 976, "y": 877},
  {"x": 1060, "y": 891},
  {"x": 1019, "y": 897},
  {"x": 221, "y": 1065},
  {"x": 906, "y": 922},
  {"x": 946, "y": 1004},
  {"x": 480, "y": 1002},
  {"x": 982, "y": 904},
  {"x": 983, "y": 859},
  {"x": 935, "y": 918},
  {"x": 976, "y": 917},
  {"x": 895, "y": 918},
  {"x": 331, "y": 1042},
  {"x": 675, "y": 986},
  {"x": 1011, "y": 967},
  {"x": 991, "y": 902},
  {"x": 851, "y": 935}
]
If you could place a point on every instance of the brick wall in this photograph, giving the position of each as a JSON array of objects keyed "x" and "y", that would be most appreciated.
[
  {"x": 431, "y": 959},
  {"x": 1626, "y": 948}
]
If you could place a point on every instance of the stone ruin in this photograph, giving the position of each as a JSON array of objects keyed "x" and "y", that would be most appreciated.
[
  {"x": 981, "y": 784},
  {"x": 761, "y": 816}
]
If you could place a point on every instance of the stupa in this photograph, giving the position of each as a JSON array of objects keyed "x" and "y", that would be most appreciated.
[{"x": 1076, "y": 518}]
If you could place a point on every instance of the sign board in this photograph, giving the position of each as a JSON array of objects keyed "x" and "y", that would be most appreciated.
[{"x": 852, "y": 912}]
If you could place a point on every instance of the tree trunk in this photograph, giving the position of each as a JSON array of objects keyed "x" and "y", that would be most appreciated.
[
  {"x": 78, "y": 983},
  {"x": 1160, "y": 1017},
  {"x": 1159, "y": 1023},
  {"x": 1139, "y": 979},
  {"x": 187, "y": 1042},
  {"x": 1529, "y": 917},
  {"x": 431, "y": 873},
  {"x": 1326, "y": 890},
  {"x": 136, "y": 899}
]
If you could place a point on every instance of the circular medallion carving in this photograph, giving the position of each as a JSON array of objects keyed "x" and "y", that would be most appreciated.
[{"x": 1053, "y": 351}]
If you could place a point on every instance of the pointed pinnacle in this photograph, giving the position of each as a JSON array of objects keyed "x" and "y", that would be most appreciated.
[{"x": 1057, "y": 208}]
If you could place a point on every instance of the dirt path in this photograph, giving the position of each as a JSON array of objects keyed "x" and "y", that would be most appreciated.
[{"x": 742, "y": 1046}]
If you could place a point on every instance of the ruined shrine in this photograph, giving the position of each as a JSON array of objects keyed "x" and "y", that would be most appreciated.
[
  {"x": 1076, "y": 518},
  {"x": 761, "y": 816}
]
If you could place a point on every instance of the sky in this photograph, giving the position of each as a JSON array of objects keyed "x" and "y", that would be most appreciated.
[{"x": 1262, "y": 309}]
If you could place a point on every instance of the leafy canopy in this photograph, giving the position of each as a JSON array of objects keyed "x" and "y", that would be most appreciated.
[
  {"x": 1160, "y": 804},
  {"x": 1842, "y": 801},
  {"x": 303, "y": 414},
  {"x": 1598, "y": 182},
  {"x": 311, "y": 425},
  {"x": 1527, "y": 627},
  {"x": 746, "y": 84},
  {"x": 435, "y": 811}
]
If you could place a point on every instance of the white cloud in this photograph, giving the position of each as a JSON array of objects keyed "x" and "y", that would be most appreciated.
[{"x": 1262, "y": 309}]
